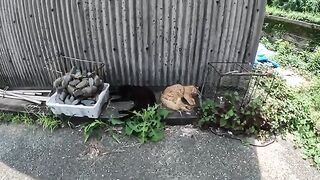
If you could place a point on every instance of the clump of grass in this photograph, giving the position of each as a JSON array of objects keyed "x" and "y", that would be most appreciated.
[
  {"x": 6, "y": 117},
  {"x": 48, "y": 122},
  {"x": 26, "y": 119}
]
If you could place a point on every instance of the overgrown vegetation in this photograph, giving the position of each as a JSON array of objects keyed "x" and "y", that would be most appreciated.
[
  {"x": 145, "y": 125},
  {"x": 45, "y": 121},
  {"x": 297, "y": 5},
  {"x": 294, "y": 15},
  {"x": 305, "y": 61},
  {"x": 229, "y": 115},
  {"x": 286, "y": 109},
  {"x": 296, "y": 110}
]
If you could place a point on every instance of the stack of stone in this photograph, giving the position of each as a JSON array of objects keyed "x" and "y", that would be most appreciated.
[{"x": 77, "y": 87}]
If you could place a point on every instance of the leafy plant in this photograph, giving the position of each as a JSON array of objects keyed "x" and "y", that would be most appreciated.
[
  {"x": 229, "y": 115},
  {"x": 208, "y": 113},
  {"x": 147, "y": 124}
]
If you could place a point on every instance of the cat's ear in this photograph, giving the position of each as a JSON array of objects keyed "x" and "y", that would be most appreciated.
[{"x": 196, "y": 90}]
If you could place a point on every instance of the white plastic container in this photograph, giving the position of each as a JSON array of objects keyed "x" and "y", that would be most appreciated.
[{"x": 79, "y": 110}]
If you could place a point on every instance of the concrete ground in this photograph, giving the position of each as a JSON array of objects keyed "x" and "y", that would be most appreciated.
[{"x": 28, "y": 152}]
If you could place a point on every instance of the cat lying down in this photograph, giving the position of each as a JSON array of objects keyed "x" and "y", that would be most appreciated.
[
  {"x": 175, "y": 97},
  {"x": 172, "y": 97}
]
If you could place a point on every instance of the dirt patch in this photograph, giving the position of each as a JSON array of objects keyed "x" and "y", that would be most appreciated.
[{"x": 293, "y": 79}]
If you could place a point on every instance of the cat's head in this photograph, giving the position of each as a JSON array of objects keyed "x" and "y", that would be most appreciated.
[{"x": 192, "y": 89}]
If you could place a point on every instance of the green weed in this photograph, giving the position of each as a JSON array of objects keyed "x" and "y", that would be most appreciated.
[
  {"x": 6, "y": 117},
  {"x": 26, "y": 119},
  {"x": 89, "y": 129},
  {"x": 208, "y": 113},
  {"x": 230, "y": 115},
  {"x": 147, "y": 124}
]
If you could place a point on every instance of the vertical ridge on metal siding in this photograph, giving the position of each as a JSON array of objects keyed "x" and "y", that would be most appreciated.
[{"x": 142, "y": 42}]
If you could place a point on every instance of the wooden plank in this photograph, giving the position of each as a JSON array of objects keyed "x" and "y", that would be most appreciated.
[{"x": 21, "y": 96}]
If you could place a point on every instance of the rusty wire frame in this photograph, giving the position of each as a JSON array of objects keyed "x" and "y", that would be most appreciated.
[{"x": 243, "y": 78}]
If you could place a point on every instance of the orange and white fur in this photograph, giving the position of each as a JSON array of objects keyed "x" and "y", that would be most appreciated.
[{"x": 172, "y": 96}]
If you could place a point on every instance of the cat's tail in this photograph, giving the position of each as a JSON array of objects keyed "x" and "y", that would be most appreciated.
[{"x": 128, "y": 115}]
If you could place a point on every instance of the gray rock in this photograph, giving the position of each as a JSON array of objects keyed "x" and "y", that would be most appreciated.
[
  {"x": 71, "y": 89},
  {"x": 77, "y": 75},
  {"x": 91, "y": 82},
  {"x": 63, "y": 95},
  {"x": 76, "y": 102},
  {"x": 66, "y": 79},
  {"x": 72, "y": 98},
  {"x": 57, "y": 82},
  {"x": 83, "y": 83},
  {"x": 89, "y": 74},
  {"x": 77, "y": 93},
  {"x": 58, "y": 100},
  {"x": 73, "y": 70},
  {"x": 74, "y": 82},
  {"x": 89, "y": 91},
  {"x": 67, "y": 100},
  {"x": 97, "y": 81},
  {"x": 88, "y": 102}
]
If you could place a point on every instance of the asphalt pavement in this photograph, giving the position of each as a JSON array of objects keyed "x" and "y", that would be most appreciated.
[{"x": 28, "y": 152}]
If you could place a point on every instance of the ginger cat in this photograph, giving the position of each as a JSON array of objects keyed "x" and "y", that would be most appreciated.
[{"x": 172, "y": 96}]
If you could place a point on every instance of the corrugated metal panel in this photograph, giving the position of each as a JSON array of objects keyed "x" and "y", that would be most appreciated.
[{"x": 142, "y": 42}]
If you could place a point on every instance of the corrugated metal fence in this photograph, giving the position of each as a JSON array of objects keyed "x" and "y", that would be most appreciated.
[{"x": 142, "y": 42}]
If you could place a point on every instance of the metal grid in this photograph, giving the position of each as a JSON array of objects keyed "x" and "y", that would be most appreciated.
[{"x": 242, "y": 78}]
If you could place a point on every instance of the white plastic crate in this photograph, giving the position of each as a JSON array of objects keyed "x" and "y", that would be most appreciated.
[{"x": 79, "y": 110}]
